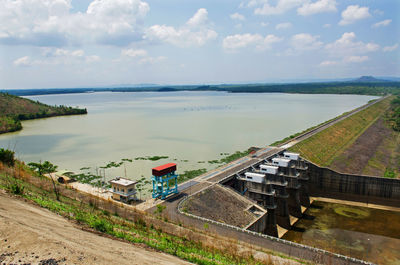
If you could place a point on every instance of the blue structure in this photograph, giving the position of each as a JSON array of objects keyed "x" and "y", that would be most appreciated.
[{"x": 165, "y": 181}]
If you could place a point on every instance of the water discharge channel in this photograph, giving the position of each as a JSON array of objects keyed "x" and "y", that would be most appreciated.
[{"x": 364, "y": 233}]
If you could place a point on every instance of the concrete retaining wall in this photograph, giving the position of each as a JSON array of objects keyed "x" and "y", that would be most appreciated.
[{"x": 327, "y": 183}]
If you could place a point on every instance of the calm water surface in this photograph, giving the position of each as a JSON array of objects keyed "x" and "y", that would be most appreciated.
[{"x": 189, "y": 127}]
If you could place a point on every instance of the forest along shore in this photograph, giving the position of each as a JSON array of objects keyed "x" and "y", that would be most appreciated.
[{"x": 14, "y": 109}]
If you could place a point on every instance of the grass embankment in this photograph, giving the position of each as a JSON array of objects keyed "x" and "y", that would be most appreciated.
[
  {"x": 323, "y": 147},
  {"x": 19, "y": 180},
  {"x": 15, "y": 109}
]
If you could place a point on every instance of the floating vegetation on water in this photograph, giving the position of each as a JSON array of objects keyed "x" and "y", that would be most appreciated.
[
  {"x": 151, "y": 158},
  {"x": 189, "y": 174},
  {"x": 201, "y": 162},
  {"x": 229, "y": 158}
]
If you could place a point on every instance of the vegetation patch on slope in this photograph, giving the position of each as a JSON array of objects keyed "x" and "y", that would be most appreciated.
[
  {"x": 128, "y": 225},
  {"x": 15, "y": 109},
  {"x": 323, "y": 147}
]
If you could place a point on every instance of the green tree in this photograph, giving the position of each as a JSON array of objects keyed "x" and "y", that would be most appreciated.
[
  {"x": 7, "y": 157},
  {"x": 46, "y": 168}
]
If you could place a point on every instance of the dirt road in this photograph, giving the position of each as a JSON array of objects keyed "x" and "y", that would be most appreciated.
[{"x": 30, "y": 234}]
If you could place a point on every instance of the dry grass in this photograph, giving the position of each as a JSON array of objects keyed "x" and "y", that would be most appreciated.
[{"x": 323, "y": 147}]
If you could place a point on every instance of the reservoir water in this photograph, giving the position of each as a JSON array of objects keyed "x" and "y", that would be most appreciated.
[{"x": 190, "y": 128}]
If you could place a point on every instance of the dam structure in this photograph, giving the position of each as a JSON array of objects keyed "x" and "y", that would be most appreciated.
[
  {"x": 269, "y": 192},
  {"x": 278, "y": 184}
]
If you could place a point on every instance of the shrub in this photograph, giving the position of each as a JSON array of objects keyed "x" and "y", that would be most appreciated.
[
  {"x": 389, "y": 173},
  {"x": 17, "y": 189},
  {"x": 101, "y": 225},
  {"x": 160, "y": 209},
  {"x": 7, "y": 157}
]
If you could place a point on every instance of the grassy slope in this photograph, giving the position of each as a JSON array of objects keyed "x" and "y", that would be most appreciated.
[
  {"x": 324, "y": 147},
  {"x": 13, "y": 109},
  {"x": 189, "y": 247}
]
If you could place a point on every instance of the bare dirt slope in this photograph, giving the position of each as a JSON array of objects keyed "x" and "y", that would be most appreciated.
[
  {"x": 371, "y": 153},
  {"x": 33, "y": 235}
]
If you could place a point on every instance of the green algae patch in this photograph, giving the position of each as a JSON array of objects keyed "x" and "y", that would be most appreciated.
[{"x": 352, "y": 212}]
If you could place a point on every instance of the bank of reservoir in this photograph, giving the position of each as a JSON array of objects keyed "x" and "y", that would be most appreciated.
[{"x": 191, "y": 128}]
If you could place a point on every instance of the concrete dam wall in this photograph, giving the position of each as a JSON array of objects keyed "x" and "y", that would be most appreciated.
[
  {"x": 324, "y": 182},
  {"x": 284, "y": 193}
]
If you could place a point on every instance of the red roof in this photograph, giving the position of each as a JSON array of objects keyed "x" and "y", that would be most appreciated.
[
  {"x": 159, "y": 168},
  {"x": 164, "y": 169}
]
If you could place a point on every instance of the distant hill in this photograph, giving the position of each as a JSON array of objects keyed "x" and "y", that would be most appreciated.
[
  {"x": 369, "y": 79},
  {"x": 14, "y": 109}
]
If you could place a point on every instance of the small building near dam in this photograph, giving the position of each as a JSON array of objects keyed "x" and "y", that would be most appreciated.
[{"x": 123, "y": 190}]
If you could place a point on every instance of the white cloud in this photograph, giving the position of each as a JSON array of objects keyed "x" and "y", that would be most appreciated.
[
  {"x": 133, "y": 53},
  {"x": 264, "y": 8},
  {"x": 152, "y": 60},
  {"x": 379, "y": 12},
  {"x": 92, "y": 58},
  {"x": 304, "y": 7},
  {"x": 317, "y": 7},
  {"x": 197, "y": 31},
  {"x": 57, "y": 56},
  {"x": 347, "y": 45},
  {"x": 52, "y": 23},
  {"x": 305, "y": 41},
  {"x": 355, "y": 59},
  {"x": 264, "y": 24},
  {"x": 327, "y": 25},
  {"x": 199, "y": 18},
  {"x": 383, "y": 23},
  {"x": 238, "y": 41},
  {"x": 23, "y": 61},
  {"x": 139, "y": 56},
  {"x": 390, "y": 48},
  {"x": 285, "y": 25},
  {"x": 237, "y": 16},
  {"x": 354, "y": 13},
  {"x": 234, "y": 42},
  {"x": 328, "y": 63}
]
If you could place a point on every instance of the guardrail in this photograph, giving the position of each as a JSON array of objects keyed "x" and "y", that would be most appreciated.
[{"x": 283, "y": 241}]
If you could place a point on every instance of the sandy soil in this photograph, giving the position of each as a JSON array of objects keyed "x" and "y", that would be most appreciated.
[{"x": 33, "y": 235}]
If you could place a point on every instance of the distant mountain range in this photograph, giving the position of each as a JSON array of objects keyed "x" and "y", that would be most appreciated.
[
  {"x": 364, "y": 85},
  {"x": 369, "y": 79},
  {"x": 277, "y": 81}
]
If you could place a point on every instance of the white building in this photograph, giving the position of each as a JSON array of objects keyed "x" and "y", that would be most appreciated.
[
  {"x": 123, "y": 189},
  {"x": 254, "y": 177},
  {"x": 291, "y": 156},
  {"x": 282, "y": 162},
  {"x": 269, "y": 169}
]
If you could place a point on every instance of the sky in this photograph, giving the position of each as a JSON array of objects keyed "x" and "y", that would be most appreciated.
[{"x": 70, "y": 43}]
